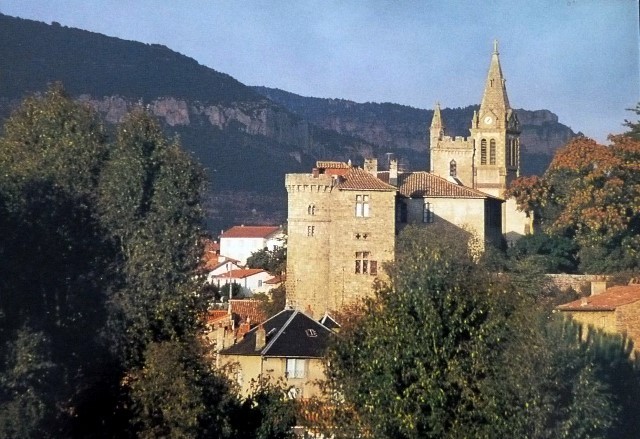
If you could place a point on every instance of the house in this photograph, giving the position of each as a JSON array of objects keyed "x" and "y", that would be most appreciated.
[
  {"x": 426, "y": 198},
  {"x": 289, "y": 346},
  {"x": 270, "y": 284},
  {"x": 239, "y": 242},
  {"x": 248, "y": 279},
  {"x": 615, "y": 310},
  {"x": 223, "y": 327},
  {"x": 222, "y": 267}
]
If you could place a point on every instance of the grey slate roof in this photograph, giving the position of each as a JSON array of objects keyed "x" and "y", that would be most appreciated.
[{"x": 290, "y": 333}]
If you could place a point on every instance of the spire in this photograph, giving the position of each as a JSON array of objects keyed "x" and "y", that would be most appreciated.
[
  {"x": 437, "y": 127},
  {"x": 495, "y": 92},
  {"x": 436, "y": 122}
]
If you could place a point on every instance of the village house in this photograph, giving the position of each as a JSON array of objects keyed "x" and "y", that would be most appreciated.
[
  {"x": 289, "y": 346},
  {"x": 614, "y": 310},
  {"x": 248, "y": 279},
  {"x": 239, "y": 242}
]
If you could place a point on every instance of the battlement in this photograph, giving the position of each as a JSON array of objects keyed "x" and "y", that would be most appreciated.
[
  {"x": 309, "y": 182},
  {"x": 457, "y": 142}
]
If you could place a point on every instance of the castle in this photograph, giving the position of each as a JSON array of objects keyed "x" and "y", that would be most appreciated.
[{"x": 342, "y": 220}]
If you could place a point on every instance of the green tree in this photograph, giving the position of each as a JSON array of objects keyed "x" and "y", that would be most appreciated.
[
  {"x": 149, "y": 206},
  {"x": 450, "y": 350},
  {"x": 25, "y": 393},
  {"x": 274, "y": 261}
]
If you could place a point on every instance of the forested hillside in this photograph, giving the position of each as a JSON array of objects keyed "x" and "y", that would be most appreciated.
[{"x": 246, "y": 142}]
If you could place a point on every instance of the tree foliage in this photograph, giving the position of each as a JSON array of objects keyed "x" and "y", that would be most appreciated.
[
  {"x": 591, "y": 194},
  {"x": 274, "y": 261},
  {"x": 447, "y": 350}
]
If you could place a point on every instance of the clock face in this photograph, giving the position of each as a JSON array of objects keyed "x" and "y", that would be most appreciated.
[{"x": 488, "y": 120}]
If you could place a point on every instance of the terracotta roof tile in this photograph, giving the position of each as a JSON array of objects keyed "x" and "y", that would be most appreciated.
[
  {"x": 359, "y": 179},
  {"x": 607, "y": 301},
  {"x": 425, "y": 184},
  {"x": 247, "y": 310},
  {"x": 250, "y": 231},
  {"x": 240, "y": 273}
]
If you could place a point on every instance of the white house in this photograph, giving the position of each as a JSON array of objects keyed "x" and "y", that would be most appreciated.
[
  {"x": 239, "y": 242},
  {"x": 249, "y": 279}
]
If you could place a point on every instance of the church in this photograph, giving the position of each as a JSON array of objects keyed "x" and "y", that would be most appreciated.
[{"x": 343, "y": 219}]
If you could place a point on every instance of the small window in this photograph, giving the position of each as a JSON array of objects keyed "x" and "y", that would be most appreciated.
[
  {"x": 483, "y": 152},
  {"x": 311, "y": 332},
  {"x": 311, "y": 230},
  {"x": 362, "y": 205},
  {"x": 427, "y": 213},
  {"x": 453, "y": 168},
  {"x": 260, "y": 283},
  {"x": 311, "y": 209},
  {"x": 296, "y": 368}
]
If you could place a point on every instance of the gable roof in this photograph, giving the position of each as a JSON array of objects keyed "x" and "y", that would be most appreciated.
[
  {"x": 359, "y": 179},
  {"x": 329, "y": 322},
  {"x": 609, "y": 300},
  {"x": 289, "y": 333},
  {"x": 250, "y": 232},
  {"x": 424, "y": 184}
]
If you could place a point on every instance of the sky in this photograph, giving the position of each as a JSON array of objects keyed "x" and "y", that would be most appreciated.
[{"x": 577, "y": 58}]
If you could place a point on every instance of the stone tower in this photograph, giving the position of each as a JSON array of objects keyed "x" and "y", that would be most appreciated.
[{"x": 495, "y": 135}]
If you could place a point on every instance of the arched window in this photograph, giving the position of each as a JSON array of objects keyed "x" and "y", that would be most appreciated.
[
  {"x": 311, "y": 209},
  {"x": 483, "y": 152},
  {"x": 453, "y": 169},
  {"x": 492, "y": 152}
]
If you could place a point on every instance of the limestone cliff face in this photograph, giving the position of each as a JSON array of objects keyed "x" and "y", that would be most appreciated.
[{"x": 255, "y": 118}]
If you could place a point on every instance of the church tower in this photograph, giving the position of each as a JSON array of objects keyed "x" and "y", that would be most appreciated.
[{"x": 495, "y": 132}]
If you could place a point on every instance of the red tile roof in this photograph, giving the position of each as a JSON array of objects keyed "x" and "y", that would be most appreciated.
[
  {"x": 250, "y": 231},
  {"x": 240, "y": 273},
  {"x": 215, "y": 315},
  {"x": 247, "y": 310},
  {"x": 275, "y": 280},
  {"x": 359, "y": 179},
  {"x": 608, "y": 301},
  {"x": 425, "y": 184}
]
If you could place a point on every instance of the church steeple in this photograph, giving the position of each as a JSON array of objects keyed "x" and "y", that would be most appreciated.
[{"x": 495, "y": 97}]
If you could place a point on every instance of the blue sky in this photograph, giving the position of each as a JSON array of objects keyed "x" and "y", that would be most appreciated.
[{"x": 577, "y": 58}]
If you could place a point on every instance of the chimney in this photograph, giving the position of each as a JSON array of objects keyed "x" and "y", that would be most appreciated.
[
  {"x": 598, "y": 287},
  {"x": 261, "y": 338},
  {"x": 371, "y": 166},
  {"x": 584, "y": 301},
  {"x": 315, "y": 172},
  {"x": 393, "y": 172}
]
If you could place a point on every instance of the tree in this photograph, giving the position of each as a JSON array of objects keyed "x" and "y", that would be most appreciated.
[
  {"x": 274, "y": 261},
  {"x": 634, "y": 131},
  {"x": 149, "y": 204},
  {"x": 449, "y": 350},
  {"x": 591, "y": 194}
]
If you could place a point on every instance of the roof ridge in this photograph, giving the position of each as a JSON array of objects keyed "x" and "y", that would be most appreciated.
[{"x": 275, "y": 337}]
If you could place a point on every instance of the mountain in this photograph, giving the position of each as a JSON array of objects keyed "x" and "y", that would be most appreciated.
[
  {"x": 245, "y": 138},
  {"x": 400, "y": 129}
]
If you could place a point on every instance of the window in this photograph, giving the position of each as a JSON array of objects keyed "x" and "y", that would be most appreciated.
[
  {"x": 311, "y": 209},
  {"x": 311, "y": 230},
  {"x": 453, "y": 168},
  {"x": 311, "y": 332},
  {"x": 296, "y": 367},
  {"x": 362, "y": 205},
  {"x": 259, "y": 283},
  {"x": 364, "y": 265},
  {"x": 427, "y": 213},
  {"x": 483, "y": 152},
  {"x": 492, "y": 152}
]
